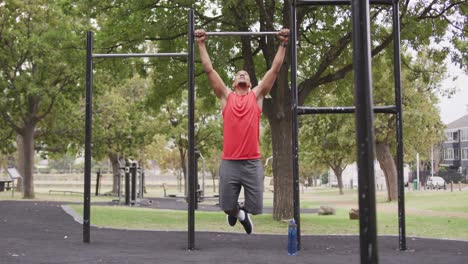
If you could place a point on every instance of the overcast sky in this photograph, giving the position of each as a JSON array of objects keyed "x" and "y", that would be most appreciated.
[{"x": 457, "y": 106}]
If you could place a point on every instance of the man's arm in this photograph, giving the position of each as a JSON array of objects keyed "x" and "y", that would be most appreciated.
[
  {"x": 269, "y": 79},
  {"x": 215, "y": 80}
]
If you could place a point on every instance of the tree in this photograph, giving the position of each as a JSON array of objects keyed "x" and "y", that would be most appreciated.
[
  {"x": 172, "y": 123},
  {"x": 328, "y": 43},
  {"x": 166, "y": 156},
  {"x": 122, "y": 126},
  {"x": 330, "y": 139},
  {"x": 63, "y": 164},
  {"x": 422, "y": 125},
  {"x": 60, "y": 134},
  {"x": 128, "y": 27},
  {"x": 39, "y": 65},
  {"x": 212, "y": 160},
  {"x": 309, "y": 169},
  {"x": 7, "y": 138}
]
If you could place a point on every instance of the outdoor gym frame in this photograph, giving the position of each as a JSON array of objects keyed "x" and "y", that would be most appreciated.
[
  {"x": 363, "y": 108},
  {"x": 191, "y": 130}
]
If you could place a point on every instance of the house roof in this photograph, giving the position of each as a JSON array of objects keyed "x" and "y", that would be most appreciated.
[{"x": 459, "y": 123}]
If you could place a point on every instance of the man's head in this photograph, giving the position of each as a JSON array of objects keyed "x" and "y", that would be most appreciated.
[{"x": 242, "y": 80}]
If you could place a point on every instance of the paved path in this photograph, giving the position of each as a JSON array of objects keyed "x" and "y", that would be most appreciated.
[{"x": 41, "y": 232}]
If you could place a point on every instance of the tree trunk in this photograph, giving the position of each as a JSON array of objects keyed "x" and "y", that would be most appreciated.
[
  {"x": 214, "y": 185},
  {"x": 179, "y": 180},
  {"x": 278, "y": 111},
  {"x": 214, "y": 173},
  {"x": 339, "y": 177},
  {"x": 282, "y": 167},
  {"x": 20, "y": 164},
  {"x": 184, "y": 166},
  {"x": 28, "y": 152},
  {"x": 114, "y": 159},
  {"x": 387, "y": 164}
]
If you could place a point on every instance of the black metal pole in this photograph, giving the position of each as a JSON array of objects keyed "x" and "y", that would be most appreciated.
[
  {"x": 119, "y": 182},
  {"x": 98, "y": 181},
  {"x": 304, "y": 110},
  {"x": 240, "y": 33},
  {"x": 127, "y": 183},
  {"x": 295, "y": 129},
  {"x": 338, "y": 2},
  {"x": 399, "y": 126},
  {"x": 133, "y": 173},
  {"x": 364, "y": 130},
  {"x": 191, "y": 131},
  {"x": 139, "y": 55},
  {"x": 142, "y": 175},
  {"x": 88, "y": 136}
]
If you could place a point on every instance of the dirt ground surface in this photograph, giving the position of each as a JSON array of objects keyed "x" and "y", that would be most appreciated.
[{"x": 42, "y": 232}]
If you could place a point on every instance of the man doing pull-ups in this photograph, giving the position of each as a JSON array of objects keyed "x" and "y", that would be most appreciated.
[{"x": 241, "y": 109}]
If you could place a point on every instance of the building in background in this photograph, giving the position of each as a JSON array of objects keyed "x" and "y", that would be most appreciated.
[
  {"x": 454, "y": 152},
  {"x": 350, "y": 176}
]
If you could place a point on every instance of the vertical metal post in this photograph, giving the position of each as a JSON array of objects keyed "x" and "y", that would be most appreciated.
[
  {"x": 432, "y": 160},
  {"x": 295, "y": 129},
  {"x": 98, "y": 181},
  {"x": 119, "y": 187},
  {"x": 191, "y": 131},
  {"x": 142, "y": 179},
  {"x": 133, "y": 173},
  {"x": 88, "y": 136},
  {"x": 127, "y": 183},
  {"x": 364, "y": 130},
  {"x": 418, "y": 185},
  {"x": 399, "y": 126}
]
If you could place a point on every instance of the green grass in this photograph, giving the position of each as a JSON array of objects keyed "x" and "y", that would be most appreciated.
[
  {"x": 441, "y": 201},
  {"x": 436, "y": 214},
  {"x": 170, "y": 220}
]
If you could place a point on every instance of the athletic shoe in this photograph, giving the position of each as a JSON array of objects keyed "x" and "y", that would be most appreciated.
[
  {"x": 247, "y": 223},
  {"x": 232, "y": 220}
]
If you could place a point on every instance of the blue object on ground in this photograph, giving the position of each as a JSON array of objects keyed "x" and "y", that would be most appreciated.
[{"x": 292, "y": 238}]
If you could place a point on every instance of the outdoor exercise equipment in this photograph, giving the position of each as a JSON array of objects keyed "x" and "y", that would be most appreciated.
[
  {"x": 192, "y": 178},
  {"x": 98, "y": 182},
  {"x": 134, "y": 183},
  {"x": 239, "y": 33},
  {"x": 364, "y": 110},
  {"x": 191, "y": 117},
  {"x": 137, "y": 184}
]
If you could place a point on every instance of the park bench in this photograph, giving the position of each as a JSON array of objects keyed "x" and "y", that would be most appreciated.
[{"x": 64, "y": 192}]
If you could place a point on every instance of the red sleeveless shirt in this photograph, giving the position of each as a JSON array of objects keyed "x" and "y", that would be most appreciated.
[{"x": 241, "y": 127}]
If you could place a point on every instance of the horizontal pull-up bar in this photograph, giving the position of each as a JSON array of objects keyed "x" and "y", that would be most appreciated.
[
  {"x": 139, "y": 55},
  {"x": 338, "y": 2},
  {"x": 235, "y": 33},
  {"x": 342, "y": 110}
]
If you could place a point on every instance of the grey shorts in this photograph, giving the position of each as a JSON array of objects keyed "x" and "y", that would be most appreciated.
[{"x": 234, "y": 174}]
